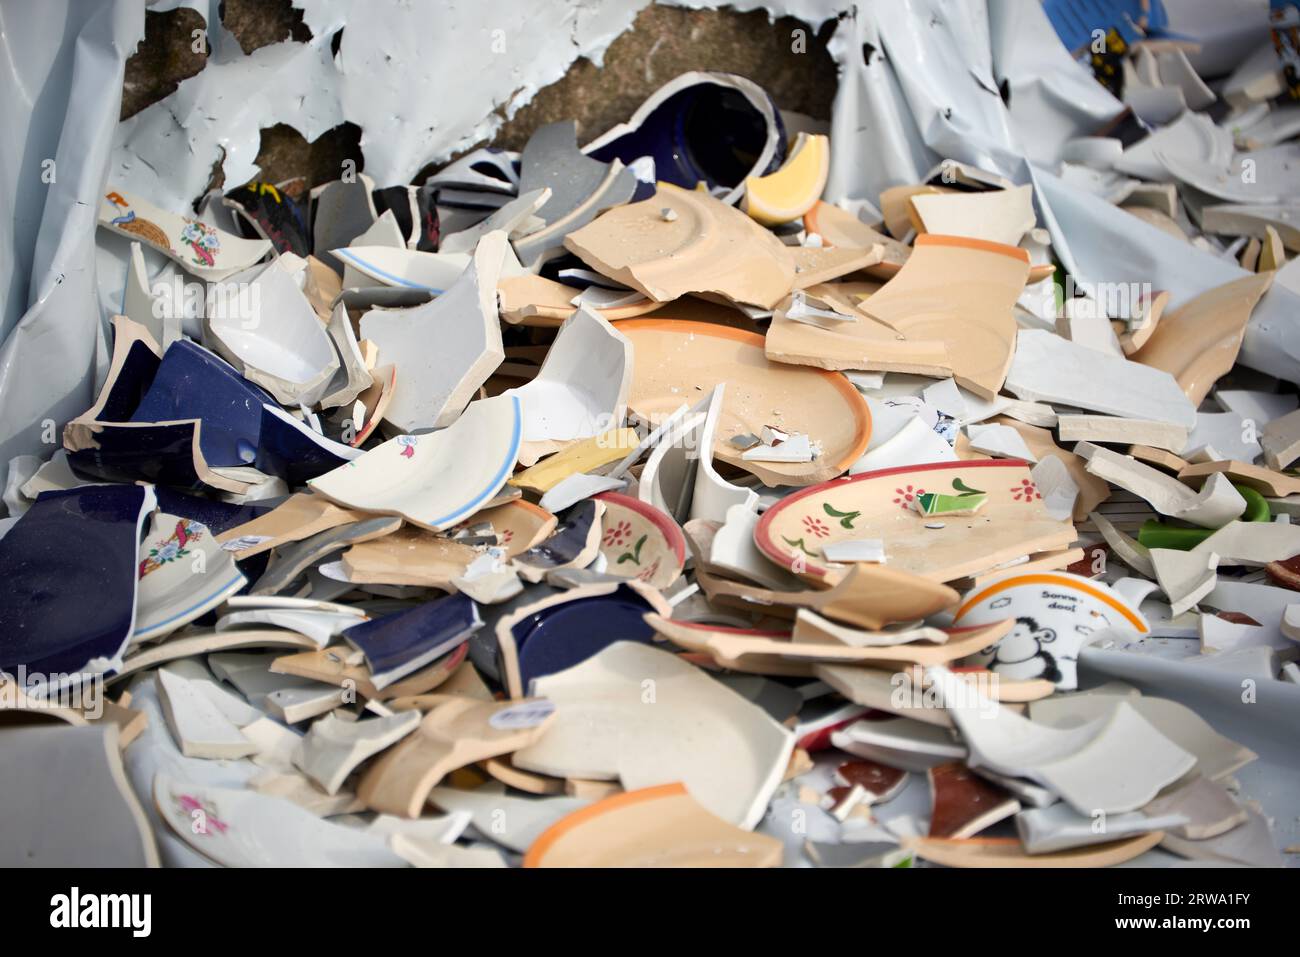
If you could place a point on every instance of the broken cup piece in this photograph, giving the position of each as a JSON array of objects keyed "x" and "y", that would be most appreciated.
[
  {"x": 438, "y": 479},
  {"x": 406, "y": 269},
  {"x": 332, "y": 748},
  {"x": 443, "y": 350},
  {"x": 1055, "y": 614},
  {"x": 266, "y": 328},
  {"x": 683, "y": 125},
  {"x": 791, "y": 191},
  {"x": 200, "y": 249},
  {"x": 708, "y": 247}
]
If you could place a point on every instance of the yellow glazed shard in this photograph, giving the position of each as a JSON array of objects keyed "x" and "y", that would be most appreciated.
[
  {"x": 793, "y": 189},
  {"x": 582, "y": 457}
]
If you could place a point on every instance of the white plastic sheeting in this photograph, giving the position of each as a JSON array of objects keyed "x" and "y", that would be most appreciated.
[{"x": 920, "y": 80}]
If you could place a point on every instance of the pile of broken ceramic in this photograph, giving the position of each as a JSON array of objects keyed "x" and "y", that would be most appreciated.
[{"x": 631, "y": 505}]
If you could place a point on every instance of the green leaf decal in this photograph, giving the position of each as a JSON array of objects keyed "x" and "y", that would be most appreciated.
[
  {"x": 965, "y": 489},
  {"x": 846, "y": 518},
  {"x": 797, "y": 543},
  {"x": 633, "y": 556}
]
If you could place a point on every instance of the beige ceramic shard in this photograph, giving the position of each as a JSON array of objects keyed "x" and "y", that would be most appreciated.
[
  {"x": 998, "y": 215},
  {"x": 451, "y": 736},
  {"x": 728, "y": 752},
  {"x": 704, "y": 246},
  {"x": 640, "y": 541},
  {"x": 297, "y": 517},
  {"x": 840, "y": 228},
  {"x": 1199, "y": 341},
  {"x": 813, "y": 628},
  {"x": 409, "y": 556},
  {"x": 868, "y": 596},
  {"x": 652, "y": 827},
  {"x": 1158, "y": 457},
  {"x": 1262, "y": 480},
  {"x": 537, "y": 301},
  {"x": 582, "y": 388},
  {"x": 203, "y": 250},
  {"x": 1013, "y": 522},
  {"x": 372, "y": 404},
  {"x": 952, "y": 303},
  {"x": 518, "y": 525},
  {"x": 728, "y": 646},
  {"x": 1009, "y": 852},
  {"x": 1215, "y": 505},
  {"x": 445, "y": 349},
  {"x": 696, "y": 636},
  {"x": 580, "y": 458},
  {"x": 1135, "y": 334},
  {"x": 677, "y": 361},
  {"x": 1115, "y": 430},
  {"x": 330, "y": 666},
  {"x": 208, "y": 642},
  {"x": 896, "y": 206},
  {"x": 879, "y": 689},
  {"x": 435, "y": 480}
]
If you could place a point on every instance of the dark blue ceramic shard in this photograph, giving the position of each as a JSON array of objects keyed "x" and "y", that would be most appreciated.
[
  {"x": 192, "y": 383},
  {"x": 561, "y": 636},
  {"x": 567, "y": 541},
  {"x": 402, "y": 643},
  {"x": 219, "y": 517},
  {"x": 129, "y": 386},
  {"x": 291, "y": 449},
  {"x": 161, "y": 454},
  {"x": 69, "y": 568}
]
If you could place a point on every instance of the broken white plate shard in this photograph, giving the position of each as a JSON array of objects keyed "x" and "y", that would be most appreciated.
[
  {"x": 1060, "y": 827},
  {"x": 445, "y": 349},
  {"x": 999, "y": 440},
  {"x": 333, "y": 748},
  {"x": 1214, "y": 505},
  {"x": 1084, "y": 323},
  {"x": 405, "y": 268},
  {"x": 728, "y": 753},
  {"x": 900, "y": 743},
  {"x": 582, "y": 388},
  {"x": 1113, "y": 764},
  {"x": 1206, "y": 807},
  {"x": 1056, "y": 486},
  {"x": 1253, "y": 543},
  {"x": 914, "y": 444},
  {"x": 1185, "y": 577},
  {"x": 574, "y": 488},
  {"x": 200, "y": 249},
  {"x": 1259, "y": 407},
  {"x": 712, "y": 495},
  {"x": 734, "y": 550},
  {"x": 1280, "y": 440},
  {"x": 1047, "y": 368},
  {"x": 1108, "y": 428},
  {"x": 199, "y": 727},
  {"x": 267, "y": 329},
  {"x": 1229, "y": 435},
  {"x": 946, "y": 396},
  {"x": 436, "y": 480},
  {"x": 353, "y": 376},
  {"x": 855, "y": 550},
  {"x": 795, "y": 449},
  {"x": 1220, "y": 636}
]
